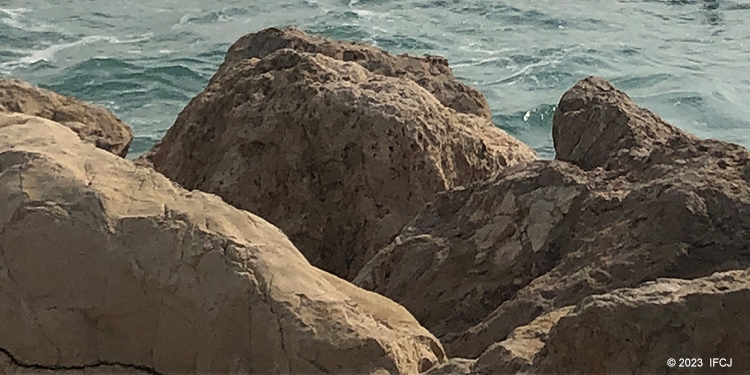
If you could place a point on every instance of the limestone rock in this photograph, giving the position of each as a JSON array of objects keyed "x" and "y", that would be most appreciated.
[
  {"x": 430, "y": 71},
  {"x": 514, "y": 355},
  {"x": 338, "y": 157},
  {"x": 635, "y": 331},
  {"x": 454, "y": 366},
  {"x": 105, "y": 262},
  {"x": 520, "y": 350},
  {"x": 653, "y": 202},
  {"x": 475, "y": 247},
  {"x": 597, "y": 125},
  {"x": 92, "y": 123}
]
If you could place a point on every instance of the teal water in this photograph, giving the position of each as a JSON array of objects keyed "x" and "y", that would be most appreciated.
[{"x": 144, "y": 60}]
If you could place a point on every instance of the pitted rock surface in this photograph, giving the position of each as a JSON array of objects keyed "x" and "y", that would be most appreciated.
[
  {"x": 429, "y": 71},
  {"x": 481, "y": 261},
  {"x": 338, "y": 157}
]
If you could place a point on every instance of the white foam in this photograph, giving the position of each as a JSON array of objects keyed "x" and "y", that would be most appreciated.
[
  {"x": 477, "y": 62},
  {"x": 365, "y": 13},
  {"x": 15, "y": 18},
  {"x": 15, "y": 12},
  {"x": 48, "y": 54}
]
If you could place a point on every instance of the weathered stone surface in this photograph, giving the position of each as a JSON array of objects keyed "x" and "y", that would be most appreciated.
[
  {"x": 635, "y": 331},
  {"x": 520, "y": 350},
  {"x": 454, "y": 366},
  {"x": 514, "y": 355},
  {"x": 475, "y": 247},
  {"x": 105, "y": 262},
  {"x": 92, "y": 123},
  {"x": 338, "y": 157},
  {"x": 9, "y": 366},
  {"x": 497, "y": 255},
  {"x": 598, "y": 126},
  {"x": 430, "y": 71}
]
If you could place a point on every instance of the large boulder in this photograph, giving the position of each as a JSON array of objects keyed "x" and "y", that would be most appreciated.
[
  {"x": 92, "y": 123},
  {"x": 106, "y": 263},
  {"x": 430, "y": 71},
  {"x": 475, "y": 247},
  {"x": 651, "y": 202},
  {"x": 636, "y": 331},
  {"x": 338, "y": 157}
]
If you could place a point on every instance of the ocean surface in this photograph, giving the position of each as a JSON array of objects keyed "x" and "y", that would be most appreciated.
[{"x": 689, "y": 61}]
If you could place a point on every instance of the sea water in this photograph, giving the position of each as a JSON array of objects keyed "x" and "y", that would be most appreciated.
[{"x": 145, "y": 59}]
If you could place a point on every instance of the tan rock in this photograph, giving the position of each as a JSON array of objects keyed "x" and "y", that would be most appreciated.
[
  {"x": 517, "y": 353},
  {"x": 338, "y": 157},
  {"x": 105, "y": 262},
  {"x": 514, "y": 355},
  {"x": 480, "y": 262},
  {"x": 474, "y": 247},
  {"x": 429, "y": 71},
  {"x": 92, "y": 123},
  {"x": 454, "y": 366},
  {"x": 597, "y": 125},
  {"x": 636, "y": 331}
]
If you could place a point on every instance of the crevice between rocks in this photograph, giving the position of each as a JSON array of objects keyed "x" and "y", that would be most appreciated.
[{"x": 16, "y": 362}]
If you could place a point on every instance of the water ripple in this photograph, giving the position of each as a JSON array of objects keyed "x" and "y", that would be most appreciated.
[{"x": 686, "y": 60}]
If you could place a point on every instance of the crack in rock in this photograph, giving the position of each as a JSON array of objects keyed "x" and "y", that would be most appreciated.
[{"x": 16, "y": 362}]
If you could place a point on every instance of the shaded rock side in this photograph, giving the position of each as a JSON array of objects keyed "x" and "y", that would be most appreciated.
[
  {"x": 105, "y": 262},
  {"x": 336, "y": 156},
  {"x": 453, "y": 366},
  {"x": 10, "y": 366},
  {"x": 636, "y": 331},
  {"x": 92, "y": 123},
  {"x": 475, "y": 247},
  {"x": 521, "y": 349},
  {"x": 515, "y": 355},
  {"x": 429, "y": 71},
  {"x": 484, "y": 260}
]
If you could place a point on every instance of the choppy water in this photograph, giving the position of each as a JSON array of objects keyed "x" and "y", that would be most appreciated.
[{"x": 144, "y": 60}]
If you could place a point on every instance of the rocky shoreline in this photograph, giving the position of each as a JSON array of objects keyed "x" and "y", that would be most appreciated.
[{"x": 327, "y": 207}]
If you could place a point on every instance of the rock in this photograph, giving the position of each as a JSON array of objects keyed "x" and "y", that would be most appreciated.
[
  {"x": 514, "y": 355},
  {"x": 481, "y": 261},
  {"x": 637, "y": 330},
  {"x": 520, "y": 350},
  {"x": 429, "y": 71},
  {"x": 597, "y": 125},
  {"x": 105, "y": 262},
  {"x": 9, "y": 366},
  {"x": 454, "y": 366},
  {"x": 338, "y": 157},
  {"x": 475, "y": 247},
  {"x": 92, "y": 123}
]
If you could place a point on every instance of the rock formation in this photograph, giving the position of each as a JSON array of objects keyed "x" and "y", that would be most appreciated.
[
  {"x": 92, "y": 123},
  {"x": 337, "y": 156},
  {"x": 430, "y": 71},
  {"x": 630, "y": 330},
  {"x": 630, "y": 199},
  {"x": 636, "y": 331},
  {"x": 106, "y": 264}
]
